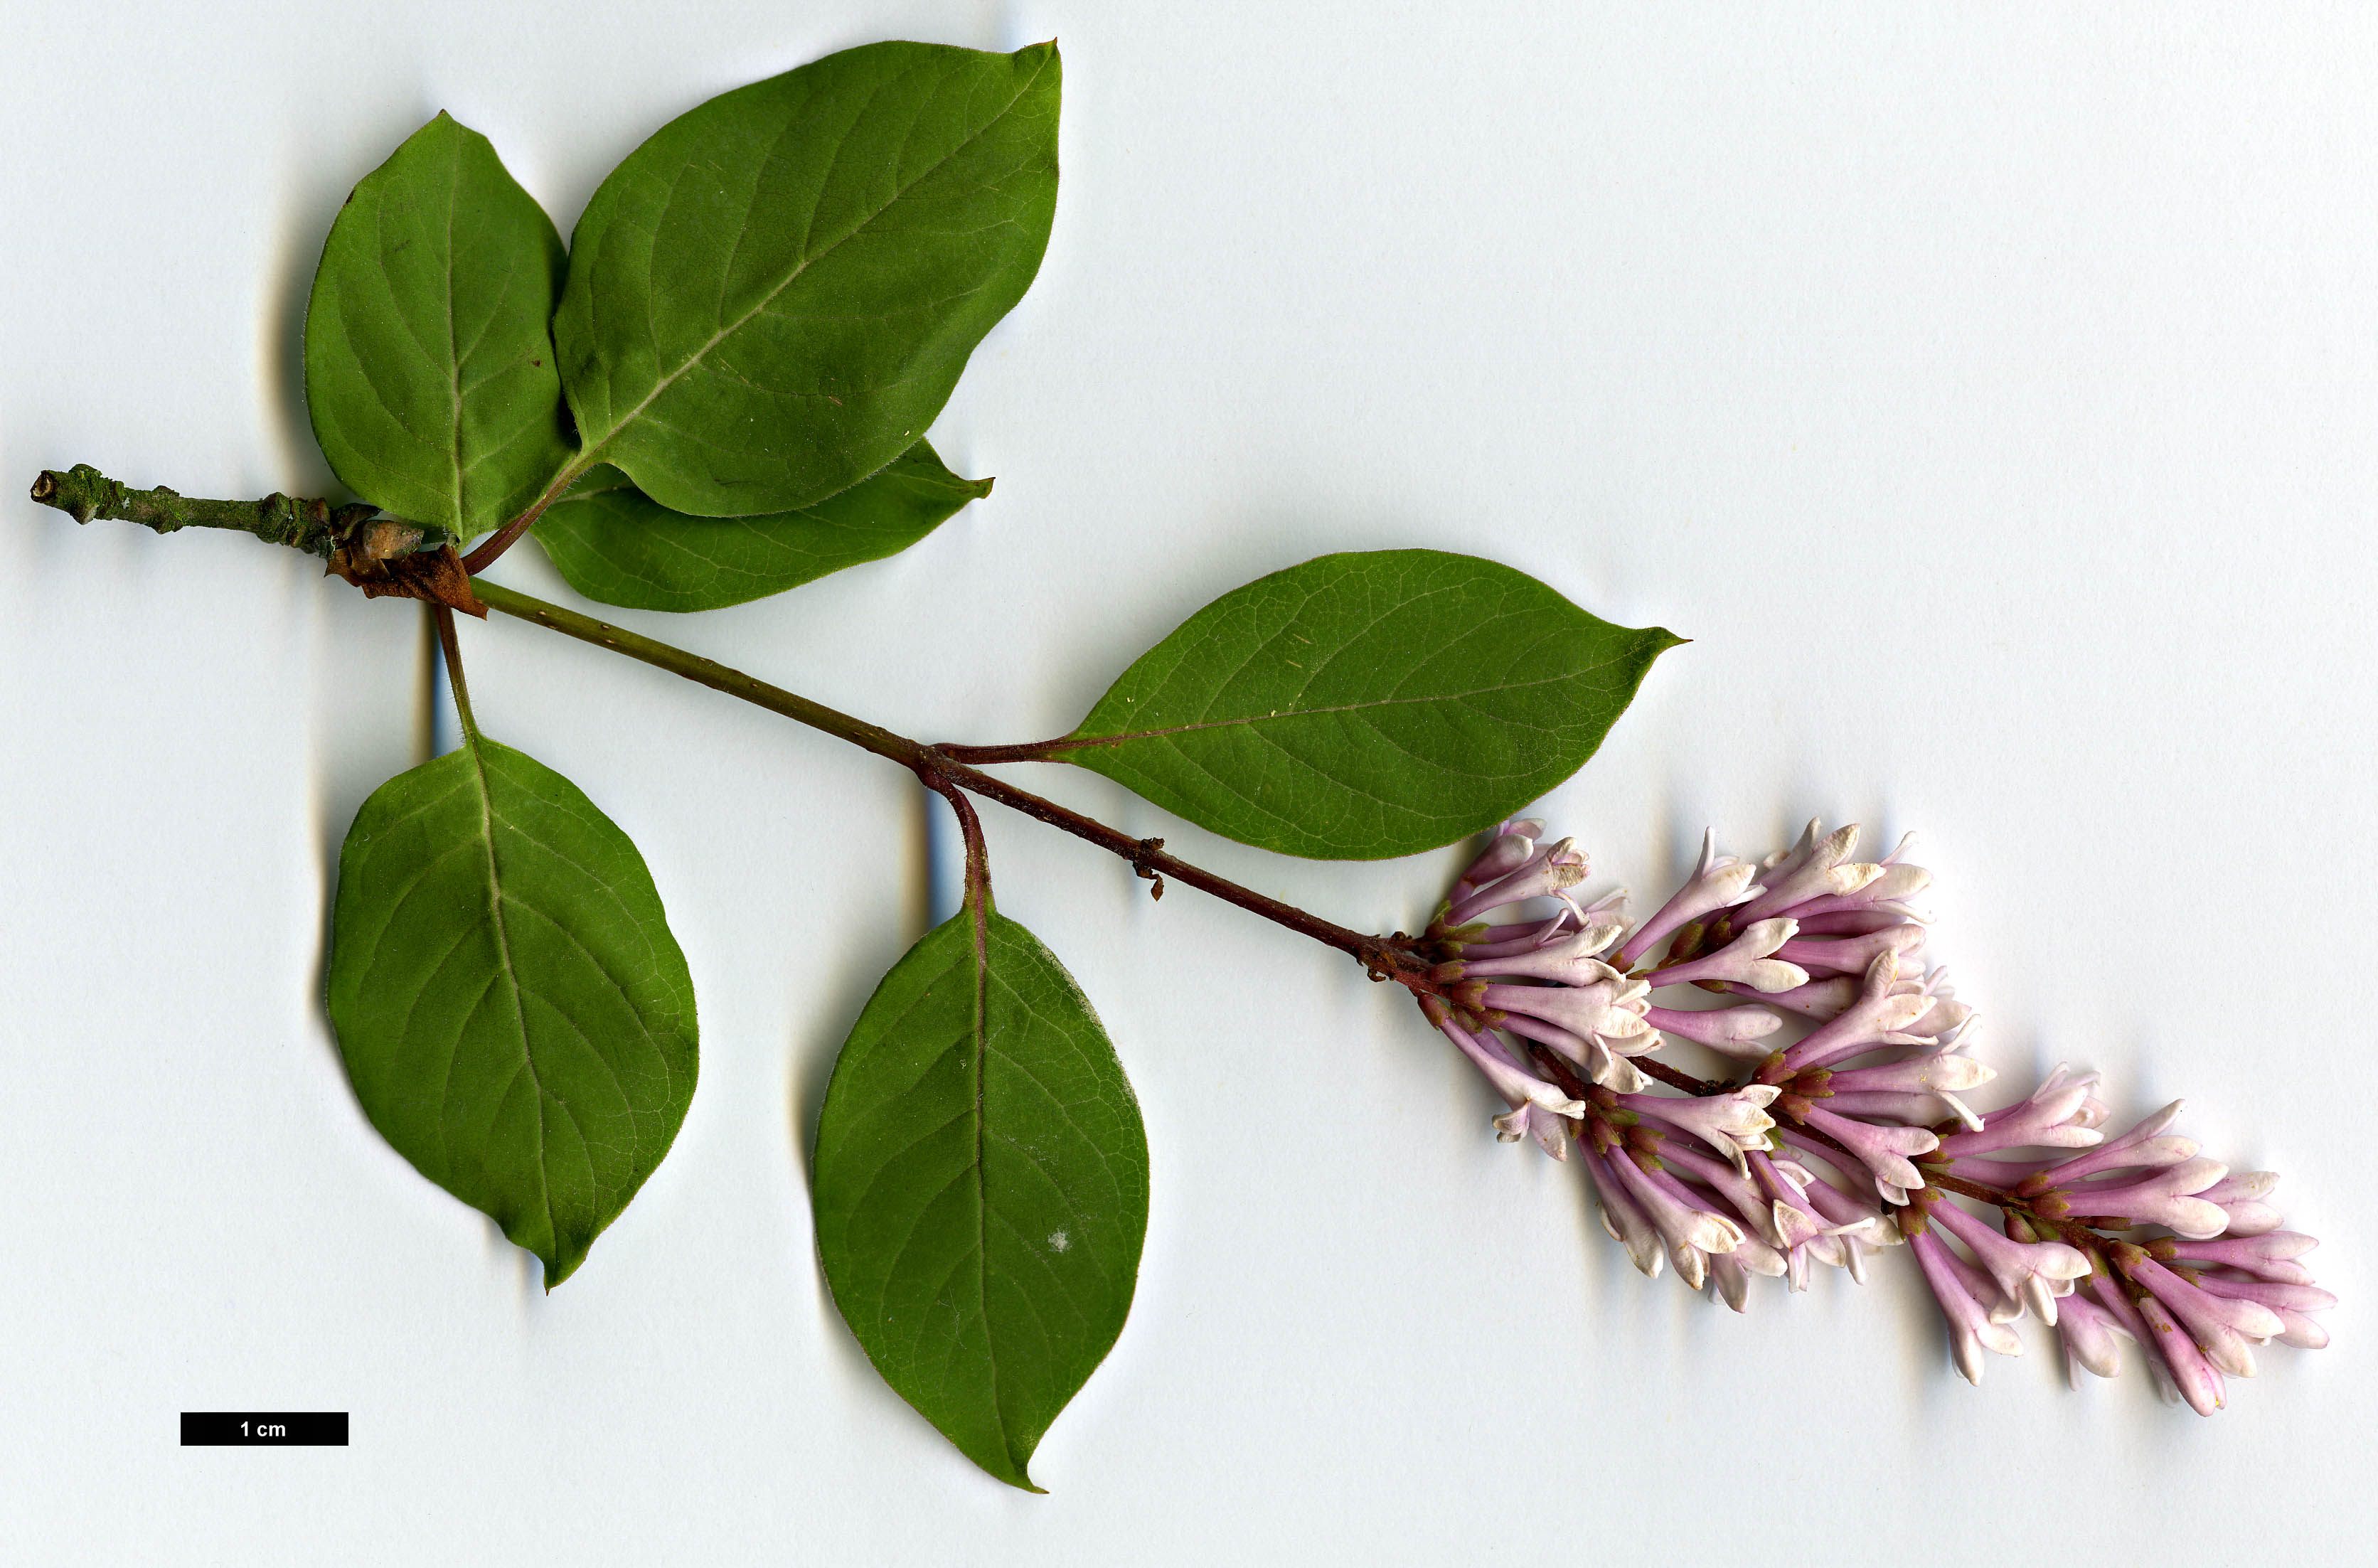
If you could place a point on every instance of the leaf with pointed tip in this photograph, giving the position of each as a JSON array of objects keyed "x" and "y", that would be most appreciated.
[
  {"x": 429, "y": 363},
  {"x": 981, "y": 1187},
  {"x": 515, "y": 1016},
  {"x": 1365, "y": 705},
  {"x": 770, "y": 299},
  {"x": 617, "y": 546}
]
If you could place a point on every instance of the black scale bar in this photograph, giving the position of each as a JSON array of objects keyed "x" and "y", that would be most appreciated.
[{"x": 264, "y": 1428}]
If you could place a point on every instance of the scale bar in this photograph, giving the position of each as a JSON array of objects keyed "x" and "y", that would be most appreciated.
[{"x": 264, "y": 1428}]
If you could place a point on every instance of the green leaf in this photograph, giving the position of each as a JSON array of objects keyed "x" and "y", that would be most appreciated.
[
  {"x": 515, "y": 1016},
  {"x": 617, "y": 546},
  {"x": 772, "y": 298},
  {"x": 430, "y": 365},
  {"x": 1365, "y": 705},
  {"x": 981, "y": 1187}
]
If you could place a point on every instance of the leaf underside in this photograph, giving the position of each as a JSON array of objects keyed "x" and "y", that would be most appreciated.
[
  {"x": 981, "y": 1187},
  {"x": 771, "y": 298},
  {"x": 1367, "y": 705},
  {"x": 617, "y": 546},
  {"x": 515, "y": 1016},
  {"x": 430, "y": 375}
]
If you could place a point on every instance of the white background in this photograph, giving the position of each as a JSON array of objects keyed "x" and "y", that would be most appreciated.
[{"x": 1987, "y": 391}]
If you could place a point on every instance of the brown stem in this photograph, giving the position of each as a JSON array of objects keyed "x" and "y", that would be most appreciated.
[
  {"x": 1384, "y": 958},
  {"x": 492, "y": 547},
  {"x": 1675, "y": 1079},
  {"x": 1563, "y": 1075},
  {"x": 1031, "y": 751},
  {"x": 1981, "y": 1191},
  {"x": 2085, "y": 1237},
  {"x": 978, "y": 855}
]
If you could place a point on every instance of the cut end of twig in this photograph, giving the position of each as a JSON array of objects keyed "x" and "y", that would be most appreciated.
[{"x": 82, "y": 491}]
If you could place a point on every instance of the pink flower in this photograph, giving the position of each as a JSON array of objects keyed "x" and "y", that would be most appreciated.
[
  {"x": 2164, "y": 1197},
  {"x": 2035, "y": 1273},
  {"x": 1718, "y": 881},
  {"x": 1730, "y": 1031},
  {"x": 1972, "y": 1328},
  {"x": 1882, "y": 1014},
  {"x": 1743, "y": 962},
  {"x": 1814, "y": 870},
  {"x": 2221, "y": 1326},
  {"x": 2063, "y": 1112},
  {"x": 1521, "y": 1087},
  {"x": 1545, "y": 871},
  {"x": 1857, "y": 1135},
  {"x": 1734, "y": 1124},
  {"x": 1622, "y": 1217},
  {"x": 2088, "y": 1333}
]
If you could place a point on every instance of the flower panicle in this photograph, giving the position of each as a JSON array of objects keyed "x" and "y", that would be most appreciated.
[{"x": 1848, "y": 1131}]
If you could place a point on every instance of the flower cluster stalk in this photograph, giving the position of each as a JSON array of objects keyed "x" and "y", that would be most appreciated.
[{"x": 1384, "y": 958}]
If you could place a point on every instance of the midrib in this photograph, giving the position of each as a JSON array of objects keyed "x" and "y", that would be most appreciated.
[
  {"x": 512, "y": 974},
  {"x": 731, "y": 328}
]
